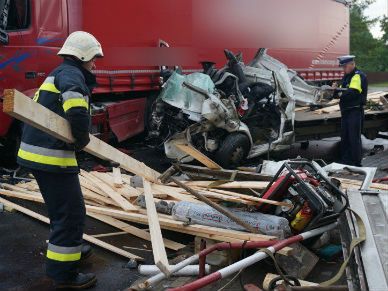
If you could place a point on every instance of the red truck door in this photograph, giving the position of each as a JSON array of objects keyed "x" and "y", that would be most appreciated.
[
  {"x": 18, "y": 64},
  {"x": 17, "y": 54}
]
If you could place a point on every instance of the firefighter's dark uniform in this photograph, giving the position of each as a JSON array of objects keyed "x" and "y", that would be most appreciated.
[
  {"x": 66, "y": 92},
  {"x": 352, "y": 103}
]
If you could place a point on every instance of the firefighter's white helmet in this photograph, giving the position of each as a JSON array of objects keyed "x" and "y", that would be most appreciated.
[{"x": 81, "y": 45}]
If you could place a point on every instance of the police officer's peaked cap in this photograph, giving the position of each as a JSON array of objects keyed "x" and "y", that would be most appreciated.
[{"x": 346, "y": 59}]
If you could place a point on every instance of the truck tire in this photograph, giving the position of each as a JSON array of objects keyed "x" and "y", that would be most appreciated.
[{"x": 233, "y": 150}]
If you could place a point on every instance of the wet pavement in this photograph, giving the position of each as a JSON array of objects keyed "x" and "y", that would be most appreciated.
[{"x": 22, "y": 254}]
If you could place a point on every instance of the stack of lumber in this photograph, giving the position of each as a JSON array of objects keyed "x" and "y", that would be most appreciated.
[
  {"x": 333, "y": 106},
  {"x": 102, "y": 196},
  {"x": 109, "y": 197}
]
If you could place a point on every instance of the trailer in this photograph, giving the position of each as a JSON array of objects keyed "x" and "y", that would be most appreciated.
[
  {"x": 310, "y": 126},
  {"x": 140, "y": 38}
]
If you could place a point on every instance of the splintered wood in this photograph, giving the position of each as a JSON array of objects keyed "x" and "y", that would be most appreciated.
[
  {"x": 117, "y": 207},
  {"x": 98, "y": 190},
  {"x": 110, "y": 197}
]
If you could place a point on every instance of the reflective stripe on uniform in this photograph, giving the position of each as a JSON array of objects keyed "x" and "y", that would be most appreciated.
[
  {"x": 355, "y": 83},
  {"x": 73, "y": 95},
  {"x": 63, "y": 254},
  {"x": 47, "y": 85},
  {"x": 47, "y": 156},
  {"x": 75, "y": 102},
  {"x": 46, "y": 152}
]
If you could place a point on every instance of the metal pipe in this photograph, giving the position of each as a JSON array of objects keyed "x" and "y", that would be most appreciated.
[
  {"x": 202, "y": 260},
  {"x": 229, "y": 270},
  {"x": 369, "y": 172},
  {"x": 190, "y": 270},
  {"x": 193, "y": 259},
  {"x": 160, "y": 276}
]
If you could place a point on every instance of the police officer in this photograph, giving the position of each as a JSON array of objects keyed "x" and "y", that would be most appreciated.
[
  {"x": 353, "y": 97},
  {"x": 66, "y": 91}
]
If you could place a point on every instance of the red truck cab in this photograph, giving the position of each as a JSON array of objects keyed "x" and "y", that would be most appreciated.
[{"x": 32, "y": 31}]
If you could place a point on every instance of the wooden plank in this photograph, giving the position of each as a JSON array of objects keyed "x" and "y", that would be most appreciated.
[
  {"x": 134, "y": 230},
  {"x": 93, "y": 202},
  {"x": 196, "y": 154},
  {"x": 87, "y": 184},
  {"x": 248, "y": 198},
  {"x": 31, "y": 186},
  {"x": 109, "y": 234},
  {"x": 21, "y": 195},
  {"x": 158, "y": 250},
  {"x": 228, "y": 185},
  {"x": 244, "y": 200},
  {"x": 123, "y": 203},
  {"x": 86, "y": 237},
  {"x": 242, "y": 174},
  {"x": 17, "y": 188},
  {"x": 86, "y": 193},
  {"x": 98, "y": 198},
  {"x": 174, "y": 192},
  {"x": 126, "y": 191},
  {"x": 117, "y": 179},
  {"x": 25, "y": 109},
  {"x": 356, "y": 184},
  {"x": 111, "y": 248}
]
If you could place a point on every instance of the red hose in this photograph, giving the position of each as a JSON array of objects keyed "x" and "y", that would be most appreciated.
[{"x": 211, "y": 278}]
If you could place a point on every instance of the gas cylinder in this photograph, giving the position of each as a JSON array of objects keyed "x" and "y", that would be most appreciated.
[{"x": 302, "y": 218}]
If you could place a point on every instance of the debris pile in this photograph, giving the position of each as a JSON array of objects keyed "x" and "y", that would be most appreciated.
[
  {"x": 119, "y": 198},
  {"x": 285, "y": 204}
]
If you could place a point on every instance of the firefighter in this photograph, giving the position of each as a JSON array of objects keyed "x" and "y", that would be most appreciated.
[
  {"x": 352, "y": 101},
  {"x": 66, "y": 91}
]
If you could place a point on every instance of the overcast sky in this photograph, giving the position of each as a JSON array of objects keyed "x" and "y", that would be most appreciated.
[{"x": 377, "y": 9}]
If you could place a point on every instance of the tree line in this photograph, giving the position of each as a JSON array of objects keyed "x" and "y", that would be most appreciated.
[{"x": 372, "y": 53}]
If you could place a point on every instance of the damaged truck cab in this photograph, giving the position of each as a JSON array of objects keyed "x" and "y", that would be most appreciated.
[{"x": 237, "y": 112}]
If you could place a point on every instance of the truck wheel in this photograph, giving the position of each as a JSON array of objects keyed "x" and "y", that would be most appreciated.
[{"x": 233, "y": 151}]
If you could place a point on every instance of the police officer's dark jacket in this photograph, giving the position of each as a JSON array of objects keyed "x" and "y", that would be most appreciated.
[
  {"x": 66, "y": 92},
  {"x": 355, "y": 96}
]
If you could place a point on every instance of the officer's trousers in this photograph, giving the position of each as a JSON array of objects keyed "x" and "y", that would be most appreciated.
[
  {"x": 351, "y": 145},
  {"x": 66, "y": 210}
]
